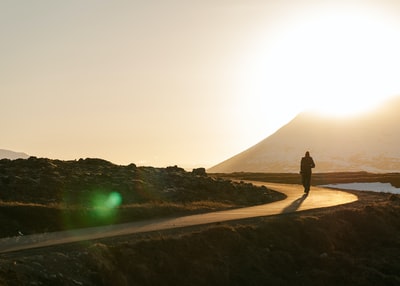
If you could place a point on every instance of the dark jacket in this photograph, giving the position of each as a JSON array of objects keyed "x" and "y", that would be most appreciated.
[{"x": 307, "y": 163}]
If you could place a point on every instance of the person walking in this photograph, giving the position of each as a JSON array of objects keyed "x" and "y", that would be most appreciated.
[{"x": 306, "y": 164}]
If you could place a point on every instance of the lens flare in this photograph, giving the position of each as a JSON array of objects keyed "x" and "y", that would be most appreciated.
[
  {"x": 105, "y": 205},
  {"x": 101, "y": 207}
]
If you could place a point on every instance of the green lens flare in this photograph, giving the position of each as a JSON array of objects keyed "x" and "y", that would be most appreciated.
[
  {"x": 106, "y": 204},
  {"x": 100, "y": 207},
  {"x": 114, "y": 200}
]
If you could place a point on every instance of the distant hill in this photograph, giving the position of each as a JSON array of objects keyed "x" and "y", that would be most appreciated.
[
  {"x": 7, "y": 154},
  {"x": 369, "y": 142}
]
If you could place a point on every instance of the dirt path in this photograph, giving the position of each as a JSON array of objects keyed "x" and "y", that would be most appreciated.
[{"x": 295, "y": 201}]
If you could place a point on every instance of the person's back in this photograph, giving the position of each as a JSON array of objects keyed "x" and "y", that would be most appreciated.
[{"x": 307, "y": 163}]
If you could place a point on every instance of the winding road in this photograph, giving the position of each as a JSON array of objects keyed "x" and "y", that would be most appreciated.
[{"x": 295, "y": 201}]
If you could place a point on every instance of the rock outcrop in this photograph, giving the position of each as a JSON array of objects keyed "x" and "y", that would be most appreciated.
[{"x": 45, "y": 181}]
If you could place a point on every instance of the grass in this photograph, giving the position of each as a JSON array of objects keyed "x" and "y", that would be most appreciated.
[
  {"x": 318, "y": 178},
  {"x": 30, "y": 218},
  {"x": 41, "y": 195},
  {"x": 355, "y": 244}
]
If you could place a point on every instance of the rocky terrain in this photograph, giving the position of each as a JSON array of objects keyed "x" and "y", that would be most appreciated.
[
  {"x": 39, "y": 194},
  {"x": 354, "y": 244}
]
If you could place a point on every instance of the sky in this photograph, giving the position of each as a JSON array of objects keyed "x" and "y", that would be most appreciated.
[{"x": 188, "y": 83}]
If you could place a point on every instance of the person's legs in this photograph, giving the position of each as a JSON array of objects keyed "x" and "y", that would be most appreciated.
[{"x": 306, "y": 183}]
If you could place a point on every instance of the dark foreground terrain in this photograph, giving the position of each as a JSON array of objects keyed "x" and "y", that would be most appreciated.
[
  {"x": 354, "y": 244},
  {"x": 42, "y": 195}
]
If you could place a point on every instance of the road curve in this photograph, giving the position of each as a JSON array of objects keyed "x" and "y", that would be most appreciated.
[{"x": 295, "y": 201}]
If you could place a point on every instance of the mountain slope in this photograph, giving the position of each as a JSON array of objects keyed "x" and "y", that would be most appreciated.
[
  {"x": 369, "y": 142},
  {"x": 7, "y": 154}
]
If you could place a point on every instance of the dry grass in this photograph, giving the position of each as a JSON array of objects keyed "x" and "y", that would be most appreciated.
[
  {"x": 29, "y": 218},
  {"x": 318, "y": 178},
  {"x": 352, "y": 245},
  {"x": 356, "y": 244},
  {"x": 188, "y": 206}
]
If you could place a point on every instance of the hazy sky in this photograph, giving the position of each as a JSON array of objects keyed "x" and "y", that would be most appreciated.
[{"x": 188, "y": 83}]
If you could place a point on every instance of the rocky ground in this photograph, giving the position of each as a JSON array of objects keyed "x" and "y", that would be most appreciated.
[
  {"x": 41, "y": 195},
  {"x": 355, "y": 244}
]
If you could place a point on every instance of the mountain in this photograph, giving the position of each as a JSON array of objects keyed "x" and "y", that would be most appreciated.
[
  {"x": 368, "y": 142},
  {"x": 7, "y": 154}
]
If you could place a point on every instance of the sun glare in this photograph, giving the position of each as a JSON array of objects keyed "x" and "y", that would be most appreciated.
[
  {"x": 336, "y": 61},
  {"x": 350, "y": 108}
]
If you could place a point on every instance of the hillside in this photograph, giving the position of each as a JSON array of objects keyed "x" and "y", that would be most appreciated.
[{"x": 368, "y": 142}]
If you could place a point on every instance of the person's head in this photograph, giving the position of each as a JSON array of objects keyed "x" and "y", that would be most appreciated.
[{"x": 307, "y": 154}]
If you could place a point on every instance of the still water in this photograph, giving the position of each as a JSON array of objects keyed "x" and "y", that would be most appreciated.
[{"x": 374, "y": 187}]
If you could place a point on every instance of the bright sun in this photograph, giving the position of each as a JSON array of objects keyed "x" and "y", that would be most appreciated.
[{"x": 336, "y": 61}]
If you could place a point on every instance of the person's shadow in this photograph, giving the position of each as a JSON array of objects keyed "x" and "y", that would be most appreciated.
[{"x": 295, "y": 204}]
